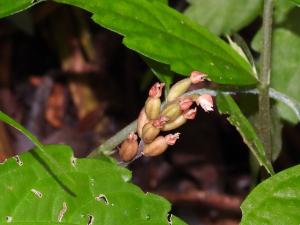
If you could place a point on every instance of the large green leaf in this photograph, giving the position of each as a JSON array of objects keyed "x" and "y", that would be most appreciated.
[
  {"x": 286, "y": 68},
  {"x": 296, "y": 1},
  {"x": 159, "y": 32},
  {"x": 224, "y": 16},
  {"x": 226, "y": 105},
  {"x": 101, "y": 194},
  {"x": 276, "y": 201}
]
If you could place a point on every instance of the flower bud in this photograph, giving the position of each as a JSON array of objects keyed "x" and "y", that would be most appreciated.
[
  {"x": 185, "y": 103},
  {"x": 178, "y": 89},
  {"x": 206, "y": 102},
  {"x": 129, "y": 148},
  {"x": 175, "y": 109},
  {"x": 197, "y": 77},
  {"x": 156, "y": 90},
  {"x": 160, "y": 145},
  {"x": 153, "y": 103},
  {"x": 171, "y": 111},
  {"x": 141, "y": 121},
  {"x": 152, "y": 107},
  {"x": 180, "y": 120},
  {"x": 151, "y": 129},
  {"x": 190, "y": 114}
]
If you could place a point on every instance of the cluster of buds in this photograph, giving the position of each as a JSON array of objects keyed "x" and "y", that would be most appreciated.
[{"x": 156, "y": 117}]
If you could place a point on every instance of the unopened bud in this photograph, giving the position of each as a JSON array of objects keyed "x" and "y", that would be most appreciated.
[
  {"x": 172, "y": 138},
  {"x": 152, "y": 107},
  {"x": 206, "y": 102},
  {"x": 197, "y": 77},
  {"x": 185, "y": 103},
  {"x": 178, "y": 89},
  {"x": 172, "y": 111},
  {"x": 151, "y": 129},
  {"x": 129, "y": 148},
  {"x": 190, "y": 114},
  {"x": 180, "y": 120},
  {"x": 156, "y": 90},
  {"x": 160, "y": 145},
  {"x": 175, "y": 109},
  {"x": 141, "y": 121}
]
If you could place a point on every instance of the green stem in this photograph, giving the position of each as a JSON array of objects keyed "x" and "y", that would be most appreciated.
[
  {"x": 264, "y": 77},
  {"x": 109, "y": 145}
]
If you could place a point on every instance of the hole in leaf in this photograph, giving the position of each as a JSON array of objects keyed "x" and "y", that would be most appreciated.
[
  {"x": 90, "y": 220},
  {"x": 169, "y": 218},
  {"x": 4, "y": 161},
  {"x": 9, "y": 219},
  {"x": 73, "y": 161},
  {"x": 18, "y": 159},
  {"x": 62, "y": 212},
  {"x": 37, "y": 193},
  {"x": 102, "y": 198}
]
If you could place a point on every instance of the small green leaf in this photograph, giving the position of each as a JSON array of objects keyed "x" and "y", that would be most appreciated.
[
  {"x": 101, "y": 194},
  {"x": 224, "y": 16},
  {"x": 226, "y": 105},
  {"x": 275, "y": 201}
]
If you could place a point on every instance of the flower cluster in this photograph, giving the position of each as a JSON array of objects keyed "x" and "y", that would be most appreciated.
[{"x": 156, "y": 117}]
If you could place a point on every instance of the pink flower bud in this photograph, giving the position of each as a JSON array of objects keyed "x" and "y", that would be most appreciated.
[
  {"x": 197, "y": 77},
  {"x": 172, "y": 138},
  {"x": 190, "y": 114},
  {"x": 185, "y": 103},
  {"x": 156, "y": 90},
  {"x": 129, "y": 148},
  {"x": 206, "y": 102},
  {"x": 160, "y": 122}
]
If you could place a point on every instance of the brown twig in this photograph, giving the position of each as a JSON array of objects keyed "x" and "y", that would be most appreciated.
[{"x": 216, "y": 200}]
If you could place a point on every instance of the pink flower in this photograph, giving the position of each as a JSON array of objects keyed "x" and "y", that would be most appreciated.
[
  {"x": 156, "y": 90},
  {"x": 172, "y": 138},
  {"x": 206, "y": 102},
  {"x": 197, "y": 77}
]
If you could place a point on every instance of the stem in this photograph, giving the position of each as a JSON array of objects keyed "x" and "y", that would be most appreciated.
[
  {"x": 114, "y": 141},
  {"x": 264, "y": 77}
]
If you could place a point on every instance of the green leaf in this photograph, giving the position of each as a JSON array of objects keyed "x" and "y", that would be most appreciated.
[
  {"x": 226, "y": 105},
  {"x": 296, "y": 1},
  {"x": 224, "y": 16},
  {"x": 163, "y": 34},
  {"x": 30, "y": 195},
  {"x": 53, "y": 165},
  {"x": 286, "y": 69},
  {"x": 8, "y": 8},
  {"x": 275, "y": 201}
]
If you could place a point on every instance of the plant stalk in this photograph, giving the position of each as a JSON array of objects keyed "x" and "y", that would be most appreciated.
[
  {"x": 108, "y": 146},
  {"x": 264, "y": 78}
]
